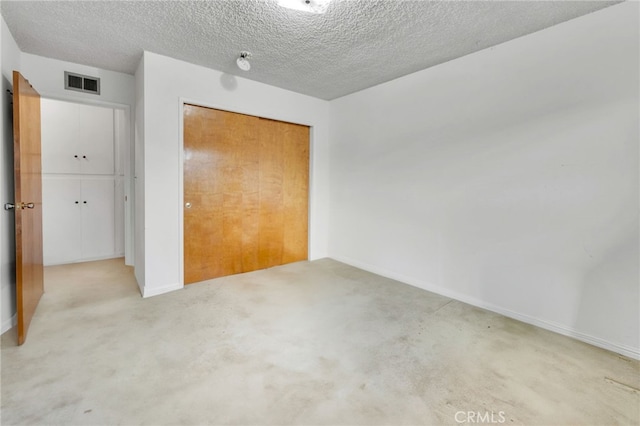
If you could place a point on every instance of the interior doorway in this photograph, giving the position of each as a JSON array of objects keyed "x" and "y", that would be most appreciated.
[
  {"x": 246, "y": 193},
  {"x": 85, "y": 155}
]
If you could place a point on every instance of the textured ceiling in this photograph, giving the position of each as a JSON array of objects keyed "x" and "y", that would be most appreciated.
[{"x": 355, "y": 45}]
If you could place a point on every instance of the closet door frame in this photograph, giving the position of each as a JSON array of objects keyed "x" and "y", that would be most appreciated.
[{"x": 195, "y": 102}]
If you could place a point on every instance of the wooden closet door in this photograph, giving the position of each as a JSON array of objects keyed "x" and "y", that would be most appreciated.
[
  {"x": 246, "y": 184},
  {"x": 284, "y": 189}
]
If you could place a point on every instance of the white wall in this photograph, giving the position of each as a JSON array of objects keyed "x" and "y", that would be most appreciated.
[
  {"x": 10, "y": 61},
  {"x": 168, "y": 81},
  {"x": 507, "y": 178},
  {"x": 47, "y": 76},
  {"x": 138, "y": 178}
]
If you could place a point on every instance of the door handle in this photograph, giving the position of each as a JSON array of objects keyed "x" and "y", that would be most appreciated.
[
  {"x": 21, "y": 206},
  {"x": 187, "y": 205}
]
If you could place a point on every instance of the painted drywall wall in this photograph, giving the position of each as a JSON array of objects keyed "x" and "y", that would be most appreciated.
[
  {"x": 47, "y": 76},
  {"x": 507, "y": 178},
  {"x": 167, "y": 82},
  {"x": 10, "y": 61},
  {"x": 138, "y": 178}
]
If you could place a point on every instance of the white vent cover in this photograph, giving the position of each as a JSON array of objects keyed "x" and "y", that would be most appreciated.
[{"x": 81, "y": 83}]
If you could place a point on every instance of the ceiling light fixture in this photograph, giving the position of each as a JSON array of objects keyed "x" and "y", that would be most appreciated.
[
  {"x": 311, "y": 6},
  {"x": 243, "y": 61}
]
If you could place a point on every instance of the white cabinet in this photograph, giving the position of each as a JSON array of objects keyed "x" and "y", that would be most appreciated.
[
  {"x": 77, "y": 139},
  {"x": 61, "y": 231},
  {"x": 98, "y": 218},
  {"x": 78, "y": 219},
  {"x": 82, "y": 218}
]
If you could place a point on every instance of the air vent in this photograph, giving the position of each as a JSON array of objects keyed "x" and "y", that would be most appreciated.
[{"x": 81, "y": 83}]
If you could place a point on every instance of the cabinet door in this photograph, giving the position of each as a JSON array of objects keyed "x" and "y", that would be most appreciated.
[
  {"x": 61, "y": 226},
  {"x": 98, "y": 218},
  {"x": 96, "y": 135},
  {"x": 60, "y": 143}
]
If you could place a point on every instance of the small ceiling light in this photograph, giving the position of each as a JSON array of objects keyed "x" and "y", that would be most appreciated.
[
  {"x": 243, "y": 61},
  {"x": 311, "y": 6}
]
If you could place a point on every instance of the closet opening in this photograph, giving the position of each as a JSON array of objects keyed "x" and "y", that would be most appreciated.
[{"x": 86, "y": 195}]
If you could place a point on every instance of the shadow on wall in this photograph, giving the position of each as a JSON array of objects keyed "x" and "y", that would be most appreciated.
[
  {"x": 229, "y": 82},
  {"x": 610, "y": 295},
  {"x": 7, "y": 250}
]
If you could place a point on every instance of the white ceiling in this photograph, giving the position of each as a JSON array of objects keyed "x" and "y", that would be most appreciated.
[{"x": 355, "y": 45}]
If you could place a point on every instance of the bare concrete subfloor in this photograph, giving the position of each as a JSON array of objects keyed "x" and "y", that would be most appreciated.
[{"x": 311, "y": 343}]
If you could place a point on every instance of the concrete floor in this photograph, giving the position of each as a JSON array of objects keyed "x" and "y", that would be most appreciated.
[{"x": 307, "y": 344}]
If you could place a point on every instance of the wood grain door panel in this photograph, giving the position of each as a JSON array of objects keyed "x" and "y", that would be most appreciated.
[
  {"x": 271, "y": 175},
  {"x": 246, "y": 180},
  {"x": 28, "y": 190}
]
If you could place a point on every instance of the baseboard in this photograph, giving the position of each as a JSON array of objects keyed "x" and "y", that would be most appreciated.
[
  {"x": 140, "y": 287},
  {"x": 150, "y": 292},
  {"x": 627, "y": 351},
  {"x": 547, "y": 325},
  {"x": 8, "y": 324},
  {"x": 88, "y": 259}
]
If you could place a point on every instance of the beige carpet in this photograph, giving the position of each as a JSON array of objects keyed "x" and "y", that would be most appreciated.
[{"x": 307, "y": 343}]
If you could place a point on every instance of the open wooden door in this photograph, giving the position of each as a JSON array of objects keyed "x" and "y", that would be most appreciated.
[{"x": 28, "y": 201}]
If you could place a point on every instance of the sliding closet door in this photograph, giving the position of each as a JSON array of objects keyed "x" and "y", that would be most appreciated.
[{"x": 246, "y": 186}]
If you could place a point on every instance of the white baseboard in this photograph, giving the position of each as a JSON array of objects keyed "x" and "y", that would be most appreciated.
[
  {"x": 8, "y": 324},
  {"x": 88, "y": 259},
  {"x": 149, "y": 292},
  {"x": 547, "y": 325}
]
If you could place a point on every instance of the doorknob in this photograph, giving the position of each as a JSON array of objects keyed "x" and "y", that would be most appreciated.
[
  {"x": 187, "y": 205},
  {"x": 21, "y": 206}
]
